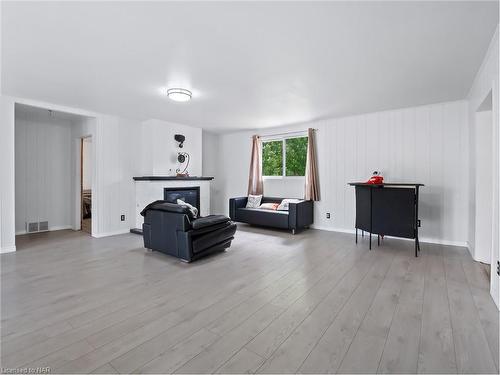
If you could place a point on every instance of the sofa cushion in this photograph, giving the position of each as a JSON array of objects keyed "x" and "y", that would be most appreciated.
[
  {"x": 269, "y": 206},
  {"x": 267, "y": 211},
  {"x": 253, "y": 201},
  {"x": 285, "y": 203},
  {"x": 258, "y": 216}
]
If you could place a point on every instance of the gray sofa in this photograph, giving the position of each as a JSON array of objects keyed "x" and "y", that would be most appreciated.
[{"x": 300, "y": 215}]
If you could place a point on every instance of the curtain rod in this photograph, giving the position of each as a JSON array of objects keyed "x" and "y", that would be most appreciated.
[{"x": 285, "y": 133}]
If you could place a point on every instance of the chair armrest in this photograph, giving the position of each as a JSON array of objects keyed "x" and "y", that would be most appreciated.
[
  {"x": 209, "y": 221},
  {"x": 300, "y": 214},
  {"x": 235, "y": 203}
]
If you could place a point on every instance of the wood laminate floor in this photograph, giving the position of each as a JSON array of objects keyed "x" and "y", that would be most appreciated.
[{"x": 274, "y": 303}]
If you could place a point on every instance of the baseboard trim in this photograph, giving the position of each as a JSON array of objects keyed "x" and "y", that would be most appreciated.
[
  {"x": 51, "y": 229},
  {"x": 422, "y": 239},
  {"x": 7, "y": 249},
  {"x": 471, "y": 249},
  {"x": 108, "y": 234}
]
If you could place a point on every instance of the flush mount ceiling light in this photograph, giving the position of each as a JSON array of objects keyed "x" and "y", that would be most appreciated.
[{"x": 179, "y": 95}]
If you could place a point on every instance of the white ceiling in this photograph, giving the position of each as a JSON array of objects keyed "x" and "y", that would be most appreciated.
[
  {"x": 37, "y": 112},
  {"x": 249, "y": 65}
]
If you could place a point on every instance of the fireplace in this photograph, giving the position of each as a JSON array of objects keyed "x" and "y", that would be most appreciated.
[
  {"x": 190, "y": 195},
  {"x": 152, "y": 188}
]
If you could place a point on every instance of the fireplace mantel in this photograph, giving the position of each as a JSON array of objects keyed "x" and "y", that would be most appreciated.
[{"x": 172, "y": 178}]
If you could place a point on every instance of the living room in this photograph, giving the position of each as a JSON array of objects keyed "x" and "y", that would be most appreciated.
[{"x": 250, "y": 187}]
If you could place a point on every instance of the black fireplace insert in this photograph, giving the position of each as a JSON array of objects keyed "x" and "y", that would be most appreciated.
[{"x": 190, "y": 195}]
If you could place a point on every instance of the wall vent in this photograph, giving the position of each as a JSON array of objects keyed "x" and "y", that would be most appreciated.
[
  {"x": 43, "y": 226},
  {"x": 31, "y": 227}
]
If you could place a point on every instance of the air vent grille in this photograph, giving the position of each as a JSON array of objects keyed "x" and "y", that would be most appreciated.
[
  {"x": 43, "y": 226},
  {"x": 31, "y": 227}
]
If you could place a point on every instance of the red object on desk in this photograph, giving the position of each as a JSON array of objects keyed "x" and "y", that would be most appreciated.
[{"x": 375, "y": 180}]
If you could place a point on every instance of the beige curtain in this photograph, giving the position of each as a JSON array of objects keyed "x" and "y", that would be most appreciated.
[
  {"x": 312, "y": 179},
  {"x": 255, "y": 184}
]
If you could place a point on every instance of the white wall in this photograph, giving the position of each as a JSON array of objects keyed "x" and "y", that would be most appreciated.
[
  {"x": 484, "y": 186},
  {"x": 160, "y": 148},
  {"x": 43, "y": 169},
  {"x": 425, "y": 144},
  {"x": 7, "y": 192},
  {"x": 117, "y": 145},
  {"x": 486, "y": 81},
  {"x": 211, "y": 155}
]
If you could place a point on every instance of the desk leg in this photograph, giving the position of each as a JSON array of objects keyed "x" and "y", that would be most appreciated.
[
  {"x": 378, "y": 239},
  {"x": 356, "y": 235},
  {"x": 416, "y": 247},
  {"x": 370, "y": 240}
]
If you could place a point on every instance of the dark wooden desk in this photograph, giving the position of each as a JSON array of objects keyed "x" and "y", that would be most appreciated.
[{"x": 388, "y": 209}]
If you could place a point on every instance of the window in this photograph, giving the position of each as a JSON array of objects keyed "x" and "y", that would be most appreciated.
[
  {"x": 272, "y": 158},
  {"x": 284, "y": 157}
]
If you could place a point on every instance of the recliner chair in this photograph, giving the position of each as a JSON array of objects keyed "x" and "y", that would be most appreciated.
[{"x": 172, "y": 229}]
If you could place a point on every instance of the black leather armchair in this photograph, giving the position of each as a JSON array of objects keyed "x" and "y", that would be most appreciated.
[
  {"x": 171, "y": 229},
  {"x": 299, "y": 215}
]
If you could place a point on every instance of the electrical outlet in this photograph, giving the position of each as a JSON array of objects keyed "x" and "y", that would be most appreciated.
[
  {"x": 327, "y": 215},
  {"x": 498, "y": 268},
  {"x": 122, "y": 218}
]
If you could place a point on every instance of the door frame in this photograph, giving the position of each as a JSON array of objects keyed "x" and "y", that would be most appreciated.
[
  {"x": 82, "y": 140},
  {"x": 78, "y": 182}
]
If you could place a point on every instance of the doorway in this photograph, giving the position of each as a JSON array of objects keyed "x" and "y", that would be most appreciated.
[
  {"x": 48, "y": 171},
  {"x": 86, "y": 184}
]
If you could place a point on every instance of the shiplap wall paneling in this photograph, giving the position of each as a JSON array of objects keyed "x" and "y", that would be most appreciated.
[
  {"x": 43, "y": 170},
  {"x": 486, "y": 81}
]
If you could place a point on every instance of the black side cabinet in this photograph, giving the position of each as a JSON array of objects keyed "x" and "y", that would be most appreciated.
[{"x": 388, "y": 209}]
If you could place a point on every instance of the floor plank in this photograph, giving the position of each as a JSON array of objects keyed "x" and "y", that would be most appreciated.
[
  {"x": 437, "y": 351},
  {"x": 471, "y": 347},
  {"x": 243, "y": 362},
  {"x": 488, "y": 314},
  {"x": 295, "y": 349},
  {"x": 333, "y": 345},
  {"x": 372, "y": 334},
  {"x": 400, "y": 354}
]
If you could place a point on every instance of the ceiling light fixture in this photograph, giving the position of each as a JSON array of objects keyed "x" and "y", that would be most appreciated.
[{"x": 179, "y": 95}]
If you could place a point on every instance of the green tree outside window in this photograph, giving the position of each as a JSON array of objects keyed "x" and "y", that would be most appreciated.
[
  {"x": 272, "y": 158},
  {"x": 296, "y": 154},
  {"x": 290, "y": 151}
]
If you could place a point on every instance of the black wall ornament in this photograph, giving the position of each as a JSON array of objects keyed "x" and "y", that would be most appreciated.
[{"x": 183, "y": 159}]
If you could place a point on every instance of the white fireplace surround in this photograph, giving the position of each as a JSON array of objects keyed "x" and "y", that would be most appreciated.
[{"x": 147, "y": 191}]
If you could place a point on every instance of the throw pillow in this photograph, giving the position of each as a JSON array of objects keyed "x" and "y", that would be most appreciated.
[
  {"x": 194, "y": 210},
  {"x": 284, "y": 205},
  {"x": 254, "y": 201},
  {"x": 269, "y": 206}
]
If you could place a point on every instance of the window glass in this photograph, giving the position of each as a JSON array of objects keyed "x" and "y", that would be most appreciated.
[
  {"x": 272, "y": 158},
  {"x": 296, "y": 154}
]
